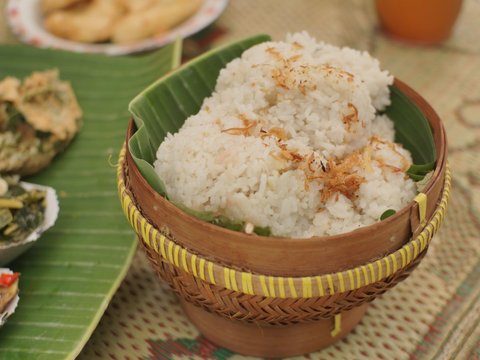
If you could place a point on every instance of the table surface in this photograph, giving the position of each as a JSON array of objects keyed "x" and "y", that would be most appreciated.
[{"x": 144, "y": 320}]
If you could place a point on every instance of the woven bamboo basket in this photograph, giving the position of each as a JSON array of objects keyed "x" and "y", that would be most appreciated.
[{"x": 271, "y": 296}]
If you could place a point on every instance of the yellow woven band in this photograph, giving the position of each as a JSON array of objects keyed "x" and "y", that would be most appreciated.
[
  {"x": 274, "y": 286},
  {"x": 337, "y": 325},
  {"x": 421, "y": 200}
]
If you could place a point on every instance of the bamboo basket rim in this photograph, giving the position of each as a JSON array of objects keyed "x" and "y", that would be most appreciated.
[{"x": 276, "y": 286}]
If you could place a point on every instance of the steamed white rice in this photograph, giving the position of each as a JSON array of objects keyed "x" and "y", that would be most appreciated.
[{"x": 290, "y": 140}]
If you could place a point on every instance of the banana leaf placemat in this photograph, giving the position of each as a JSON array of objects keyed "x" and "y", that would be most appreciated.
[{"x": 71, "y": 273}]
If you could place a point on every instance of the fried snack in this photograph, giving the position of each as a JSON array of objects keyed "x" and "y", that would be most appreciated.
[
  {"x": 153, "y": 20},
  {"x": 90, "y": 21},
  {"x": 49, "y": 105},
  {"x": 138, "y": 5},
  {"x": 38, "y": 119},
  {"x": 51, "y": 5}
]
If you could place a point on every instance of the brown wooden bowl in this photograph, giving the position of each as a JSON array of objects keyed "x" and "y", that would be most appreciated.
[{"x": 288, "y": 256}]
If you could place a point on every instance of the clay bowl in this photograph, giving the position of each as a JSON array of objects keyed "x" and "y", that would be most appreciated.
[{"x": 269, "y": 323}]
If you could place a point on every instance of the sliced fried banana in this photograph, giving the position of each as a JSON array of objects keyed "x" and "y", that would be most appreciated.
[
  {"x": 153, "y": 20},
  {"x": 137, "y": 5},
  {"x": 51, "y": 5},
  {"x": 89, "y": 22}
]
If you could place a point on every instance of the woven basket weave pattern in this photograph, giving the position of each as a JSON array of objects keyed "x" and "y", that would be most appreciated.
[
  {"x": 262, "y": 310},
  {"x": 205, "y": 289}
]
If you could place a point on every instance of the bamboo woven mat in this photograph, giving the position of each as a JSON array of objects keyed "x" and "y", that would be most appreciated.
[{"x": 433, "y": 314}]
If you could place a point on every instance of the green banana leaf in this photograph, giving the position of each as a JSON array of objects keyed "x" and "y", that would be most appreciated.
[
  {"x": 223, "y": 221},
  {"x": 165, "y": 105},
  {"x": 387, "y": 214},
  {"x": 71, "y": 273},
  {"x": 413, "y": 132}
]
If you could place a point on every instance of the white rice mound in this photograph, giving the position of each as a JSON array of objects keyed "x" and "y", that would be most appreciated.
[{"x": 290, "y": 140}]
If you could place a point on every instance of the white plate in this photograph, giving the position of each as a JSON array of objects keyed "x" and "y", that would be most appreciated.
[{"x": 25, "y": 20}]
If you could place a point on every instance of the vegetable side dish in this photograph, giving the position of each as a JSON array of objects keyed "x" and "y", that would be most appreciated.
[
  {"x": 21, "y": 210},
  {"x": 39, "y": 117}
]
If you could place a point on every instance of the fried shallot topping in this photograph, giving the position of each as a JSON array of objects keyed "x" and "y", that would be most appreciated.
[
  {"x": 247, "y": 130},
  {"x": 289, "y": 74},
  {"x": 297, "y": 45},
  {"x": 276, "y": 132},
  {"x": 294, "y": 58},
  {"x": 338, "y": 72},
  {"x": 280, "y": 78},
  {"x": 245, "y": 120},
  {"x": 249, "y": 127},
  {"x": 375, "y": 140},
  {"x": 339, "y": 177},
  {"x": 351, "y": 118},
  {"x": 290, "y": 154},
  {"x": 275, "y": 53}
]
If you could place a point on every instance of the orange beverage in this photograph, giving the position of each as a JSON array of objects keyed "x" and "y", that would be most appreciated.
[{"x": 425, "y": 22}]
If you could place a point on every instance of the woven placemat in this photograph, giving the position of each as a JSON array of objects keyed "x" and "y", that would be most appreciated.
[{"x": 440, "y": 318}]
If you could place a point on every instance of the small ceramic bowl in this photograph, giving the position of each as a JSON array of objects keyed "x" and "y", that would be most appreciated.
[{"x": 10, "y": 251}]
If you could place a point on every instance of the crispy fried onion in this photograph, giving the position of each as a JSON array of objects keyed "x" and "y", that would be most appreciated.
[
  {"x": 338, "y": 177},
  {"x": 351, "y": 118},
  {"x": 290, "y": 154},
  {"x": 249, "y": 127},
  {"x": 289, "y": 74},
  {"x": 246, "y": 130},
  {"x": 375, "y": 141},
  {"x": 297, "y": 45},
  {"x": 338, "y": 72},
  {"x": 276, "y": 132},
  {"x": 341, "y": 176}
]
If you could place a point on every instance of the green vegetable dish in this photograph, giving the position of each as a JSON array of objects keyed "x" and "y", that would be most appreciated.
[{"x": 21, "y": 210}]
